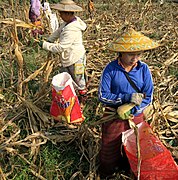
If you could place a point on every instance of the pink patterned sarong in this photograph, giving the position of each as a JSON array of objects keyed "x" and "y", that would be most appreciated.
[{"x": 111, "y": 155}]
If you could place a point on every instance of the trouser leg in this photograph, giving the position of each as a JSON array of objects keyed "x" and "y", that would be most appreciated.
[{"x": 77, "y": 72}]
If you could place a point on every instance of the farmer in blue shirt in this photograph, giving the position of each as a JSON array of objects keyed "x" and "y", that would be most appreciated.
[{"x": 116, "y": 90}]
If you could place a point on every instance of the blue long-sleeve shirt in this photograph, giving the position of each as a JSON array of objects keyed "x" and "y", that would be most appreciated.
[{"x": 115, "y": 89}]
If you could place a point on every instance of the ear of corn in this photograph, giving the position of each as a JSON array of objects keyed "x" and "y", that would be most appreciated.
[
  {"x": 19, "y": 23},
  {"x": 19, "y": 56},
  {"x": 122, "y": 110}
]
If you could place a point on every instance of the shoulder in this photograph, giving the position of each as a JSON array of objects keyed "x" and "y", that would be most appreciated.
[
  {"x": 110, "y": 64},
  {"x": 77, "y": 25},
  {"x": 79, "y": 20},
  {"x": 143, "y": 67},
  {"x": 113, "y": 66},
  {"x": 142, "y": 64}
]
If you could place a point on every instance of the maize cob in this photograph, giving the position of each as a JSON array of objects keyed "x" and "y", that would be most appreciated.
[{"x": 123, "y": 110}]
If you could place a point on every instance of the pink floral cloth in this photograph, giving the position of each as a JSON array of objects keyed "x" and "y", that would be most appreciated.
[
  {"x": 111, "y": 154},
  {"x": 34, "y": 12}
]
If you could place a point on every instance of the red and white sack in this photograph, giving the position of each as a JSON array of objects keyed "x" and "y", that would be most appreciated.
[
  {"x": 157, "y": 162},
  {"x": 65, "y": 103}
]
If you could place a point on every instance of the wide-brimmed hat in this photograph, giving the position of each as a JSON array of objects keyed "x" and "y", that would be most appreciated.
[
  {"x": 132, "y": 41},
  {"x": 67, "y": 5}
]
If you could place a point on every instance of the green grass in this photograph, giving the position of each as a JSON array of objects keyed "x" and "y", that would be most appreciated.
[
  {"x": 59, "y": 161},
  {"x": 53, "y": 162},
  {"x": 90, "y": 109}
]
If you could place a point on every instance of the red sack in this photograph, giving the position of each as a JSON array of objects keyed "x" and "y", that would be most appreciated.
[
  {"x": 65, "y": 103},
  {"x": 157, "y": 162}
]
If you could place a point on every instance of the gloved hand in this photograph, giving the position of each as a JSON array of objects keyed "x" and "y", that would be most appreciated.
[
  {"x": 124, "y": 116},
  {"x": 124, "y": 111},
  {"x": 137, "y": 98},
  {"x": 40, "y": 43},
  {"x": 40, "y": 38}
]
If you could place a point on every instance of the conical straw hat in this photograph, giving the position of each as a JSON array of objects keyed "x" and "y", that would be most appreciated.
[
  {"x": 132, "y": 41},
  {"x": 67, "y": 5}
]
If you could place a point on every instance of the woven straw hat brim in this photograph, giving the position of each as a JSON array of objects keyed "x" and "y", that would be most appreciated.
[
  {"x": 132, "y": 41},
  {"x": 131, "y": 47},
  {"x": 67, "y": 7}
]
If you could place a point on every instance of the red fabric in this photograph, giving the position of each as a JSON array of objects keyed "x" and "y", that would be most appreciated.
[{"x": 110, "y": 154}]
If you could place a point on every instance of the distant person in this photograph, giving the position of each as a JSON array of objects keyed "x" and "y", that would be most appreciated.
[
  {"x": 115, "y": 89},
  {"x": 35, "y": 16},
  {"x": 70, "y": 44}
]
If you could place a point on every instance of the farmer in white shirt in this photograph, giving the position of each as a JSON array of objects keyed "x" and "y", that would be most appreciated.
[{"x": 70, "y": 45}]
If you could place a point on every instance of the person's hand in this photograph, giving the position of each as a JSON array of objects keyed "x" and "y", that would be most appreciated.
[
  {"x": 124, "y": 111},
  {"x": 124, "y": 116},
  {"x": 40, "y": 40},
  {"x": 137, "y": 98},
  {"x": 40, "y": 43}
]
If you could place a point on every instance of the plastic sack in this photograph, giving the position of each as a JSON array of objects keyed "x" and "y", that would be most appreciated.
[
  {"x": 65, "y": 104},
  {"x": 157, "y": 162},
  {"x": 54, "y": 24}
]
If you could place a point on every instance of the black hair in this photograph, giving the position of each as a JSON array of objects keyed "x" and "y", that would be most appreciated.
[
  {"x": 67, "y": 12},
  {"x": 119, "y": 55}
]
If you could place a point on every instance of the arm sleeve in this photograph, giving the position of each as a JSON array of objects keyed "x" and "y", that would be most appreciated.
[
  {"x": 54, "y": 36},
  {"x": 105, "y": 91},
  {"x": 147, "y": 89},
  {"x": 65, "y": 42}
]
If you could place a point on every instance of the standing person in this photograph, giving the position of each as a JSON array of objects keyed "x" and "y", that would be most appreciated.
[
  {"x": 35, "y": 16},
  {"x": 70, "y": 44},
  {"x": 116, "y": 90}
]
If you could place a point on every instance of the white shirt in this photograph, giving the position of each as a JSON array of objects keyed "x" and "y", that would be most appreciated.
[{"x": 70, "y": 44}]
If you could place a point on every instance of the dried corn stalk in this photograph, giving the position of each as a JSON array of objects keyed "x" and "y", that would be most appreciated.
[
  {"x": 19, "y": 58},
  {"x": 19, "y": 23}
]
